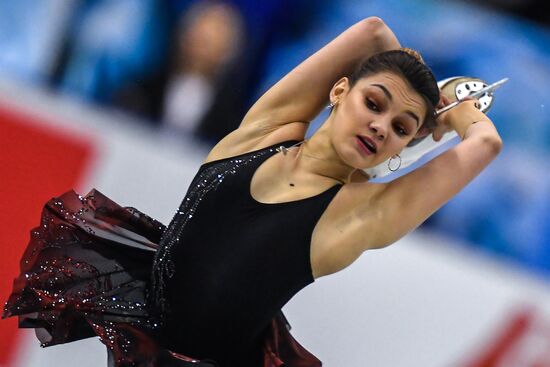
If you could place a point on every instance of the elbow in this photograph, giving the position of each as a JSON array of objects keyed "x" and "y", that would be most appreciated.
[
  {"x": 375, "y": 27},
  {"x": 381, "y": 35},
  {"x": 494, "y": 143},
  {"x": 374, "y": 22},
  {"x": 491, "y": 144}
]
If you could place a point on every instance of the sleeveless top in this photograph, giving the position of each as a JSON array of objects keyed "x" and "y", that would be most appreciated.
[{"x": 228, "y": 263}]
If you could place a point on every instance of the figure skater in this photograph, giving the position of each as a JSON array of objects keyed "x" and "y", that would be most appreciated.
[{"x": 267, "y": 213}]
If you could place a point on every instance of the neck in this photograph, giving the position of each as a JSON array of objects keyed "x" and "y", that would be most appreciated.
[{"x": 317, "y": 157}]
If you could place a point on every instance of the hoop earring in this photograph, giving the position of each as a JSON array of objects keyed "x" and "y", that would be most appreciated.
[{"x": 390, "y": 163}]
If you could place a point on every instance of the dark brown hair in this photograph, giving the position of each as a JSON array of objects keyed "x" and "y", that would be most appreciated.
[{"x": 409, "y": 65}]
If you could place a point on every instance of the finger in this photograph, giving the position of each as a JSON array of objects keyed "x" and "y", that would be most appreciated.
[
  {"x": 443, "y": 101},
  {"x": 438, "y": 132},
  {"x": 474, "y": 102}
]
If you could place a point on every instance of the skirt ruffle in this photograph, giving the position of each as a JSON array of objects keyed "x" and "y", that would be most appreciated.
[{"x": 86, "y": 272}]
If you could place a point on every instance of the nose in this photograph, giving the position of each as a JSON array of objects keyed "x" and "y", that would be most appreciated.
[{"x": 378, "y": 130}]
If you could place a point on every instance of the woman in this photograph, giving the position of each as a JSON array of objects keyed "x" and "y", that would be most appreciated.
[{"x": 266, "y": 215}]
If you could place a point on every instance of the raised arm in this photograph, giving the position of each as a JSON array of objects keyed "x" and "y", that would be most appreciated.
[
  {"x": 409, "y": 200},
  {"x": 303, "y": 92},
  {"x": 380, "y": 214}
]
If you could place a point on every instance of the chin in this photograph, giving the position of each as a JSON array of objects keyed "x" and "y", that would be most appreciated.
[{"x": 352, "y": 157}]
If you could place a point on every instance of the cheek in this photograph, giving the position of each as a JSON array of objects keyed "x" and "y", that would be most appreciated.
[
  {"x": 350, "y": 117},
  {"x": 341, "y": 124},
  {"x": 356, "y": 110}
]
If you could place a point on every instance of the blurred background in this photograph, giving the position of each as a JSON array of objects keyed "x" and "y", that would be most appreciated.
[{"x": 128, "y": 96}]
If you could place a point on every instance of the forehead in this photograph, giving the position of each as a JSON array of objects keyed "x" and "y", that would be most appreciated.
[{"x": 400, "y": 90}]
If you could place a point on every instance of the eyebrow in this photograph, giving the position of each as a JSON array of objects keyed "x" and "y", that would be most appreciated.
[{"x": 390, "y": 97}]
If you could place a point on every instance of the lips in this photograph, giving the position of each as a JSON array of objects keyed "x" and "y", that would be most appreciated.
[{"x": 367, "y": 143}]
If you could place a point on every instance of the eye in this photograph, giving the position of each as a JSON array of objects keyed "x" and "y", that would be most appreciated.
[
  {"x": 372, "y": 105},
  {"x": 400, "y": 130}
]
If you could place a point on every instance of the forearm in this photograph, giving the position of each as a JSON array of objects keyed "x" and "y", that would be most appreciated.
[
  {"x": 304, "y": 92},
  {"x": 474, "y": 127},
  {"x": 362, "y": 40},
  {"x": 487, "y": 132},
  {"x": 316, "y": 76},
  {"x": 469, "y": 122}
]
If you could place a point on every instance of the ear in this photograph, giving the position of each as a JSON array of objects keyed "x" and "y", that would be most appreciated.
[{"x": 340, "y": 88}]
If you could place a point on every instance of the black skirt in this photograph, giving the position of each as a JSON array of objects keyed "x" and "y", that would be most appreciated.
[{"x": 86, "y": 272}]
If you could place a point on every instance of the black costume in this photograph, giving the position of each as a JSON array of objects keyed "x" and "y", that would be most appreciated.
[{"x": 224, "y": 268}]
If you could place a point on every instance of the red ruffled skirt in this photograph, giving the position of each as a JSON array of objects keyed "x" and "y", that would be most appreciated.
[{"x": 86, "y": 272}]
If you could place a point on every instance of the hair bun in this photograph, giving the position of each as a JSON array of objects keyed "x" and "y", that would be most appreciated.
[{"x": 413, "y": 53}]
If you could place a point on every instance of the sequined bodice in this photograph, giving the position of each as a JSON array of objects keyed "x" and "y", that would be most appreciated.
[
  {"x": 209, "y": 177},
  {"x": 228, "y": 263}
]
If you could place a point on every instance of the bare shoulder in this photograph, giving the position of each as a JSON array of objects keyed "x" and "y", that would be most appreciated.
[{"x": 252, "y": 137}]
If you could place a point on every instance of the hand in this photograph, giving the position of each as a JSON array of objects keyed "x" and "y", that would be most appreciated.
[
  {"x": 458, "y": 118},
  {"x": 441, "y": 127}
]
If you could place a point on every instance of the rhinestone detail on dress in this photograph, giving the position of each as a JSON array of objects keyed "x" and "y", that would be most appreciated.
[{"x": 209, "y": 179}]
